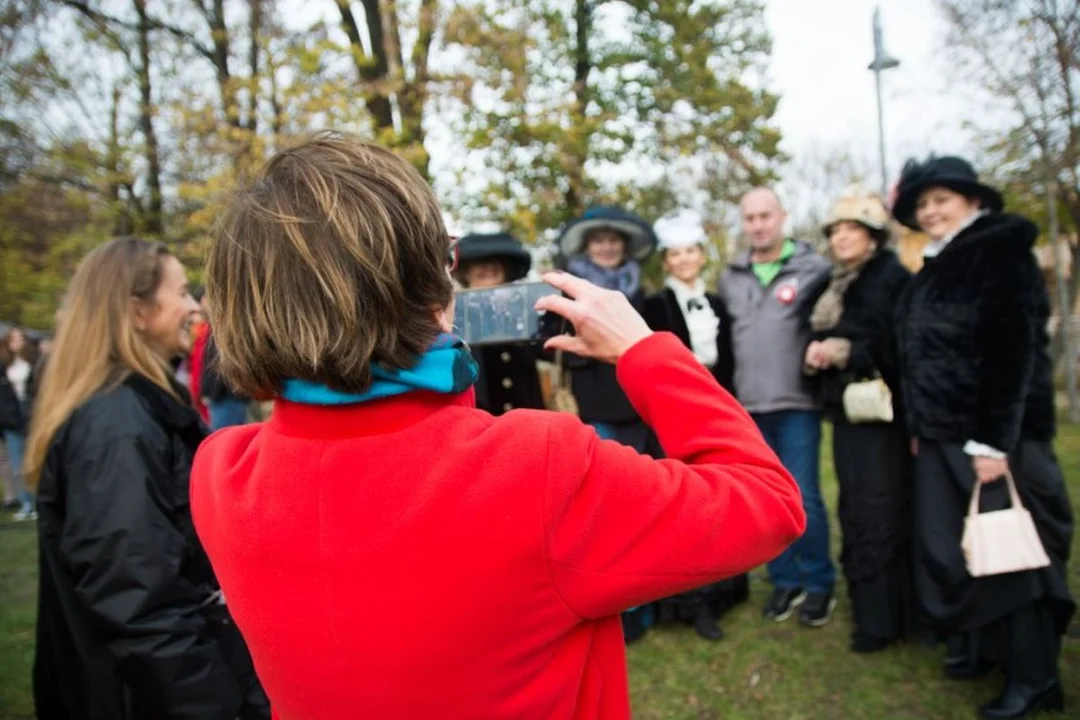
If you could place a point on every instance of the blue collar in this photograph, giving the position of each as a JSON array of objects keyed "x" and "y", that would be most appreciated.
[{"x": 447, "y": 368}]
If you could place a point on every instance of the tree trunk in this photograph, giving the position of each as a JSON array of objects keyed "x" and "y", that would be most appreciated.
[
  {"x": 372, "y": 69},
  {"x": 121, "y": 218},
  {"x": 412, "y": 94},
  {"x": 153, "y": 221},
  {"x": 255, "y": 37},
  {"x": 576, "y": 148},
  {"x": 219, "y": 35}
]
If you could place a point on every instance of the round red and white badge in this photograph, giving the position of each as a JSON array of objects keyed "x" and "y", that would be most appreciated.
[{"x": 786, "y": 293}]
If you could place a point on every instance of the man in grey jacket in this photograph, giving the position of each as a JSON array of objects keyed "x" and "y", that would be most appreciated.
[{"x": 769, "y": 292}]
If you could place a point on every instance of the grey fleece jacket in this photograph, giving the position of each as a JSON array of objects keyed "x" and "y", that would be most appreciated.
[{"x": 770, "y": 330}]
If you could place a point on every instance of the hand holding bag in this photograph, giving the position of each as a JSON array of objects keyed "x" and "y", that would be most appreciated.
[
  {"x": 562, "y": 397},
  {"x": 868, "y": 401},
  {"x": 1003, "y": 541}
]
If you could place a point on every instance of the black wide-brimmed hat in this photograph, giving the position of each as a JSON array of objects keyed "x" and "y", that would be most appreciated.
[
  {"x": 640, "y": 239},
  {"x": 496, "y": 246},
  {"x": 949, "y": 172}
]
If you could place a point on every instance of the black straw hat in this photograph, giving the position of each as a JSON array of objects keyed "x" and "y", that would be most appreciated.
[
  {"x": 949, "y": 172},
  {"x": 496, "y": 246}
]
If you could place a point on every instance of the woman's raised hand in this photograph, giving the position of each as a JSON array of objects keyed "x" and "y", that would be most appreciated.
[{"x": 607, "y": 325}]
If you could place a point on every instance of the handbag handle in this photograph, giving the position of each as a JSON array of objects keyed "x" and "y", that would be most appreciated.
[
  {"x": 559, "y": 375},
  {"x": 1014, "y": 496}
]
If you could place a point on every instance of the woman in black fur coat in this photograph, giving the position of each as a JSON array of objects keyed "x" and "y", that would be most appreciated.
[
  {"x": 853, "y": 341},
  {"x": 698, "y": 317},
  {"x": 978, "y": 393}
]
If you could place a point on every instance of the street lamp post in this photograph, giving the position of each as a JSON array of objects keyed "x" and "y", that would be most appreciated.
[{"x": 882, "y": 61}]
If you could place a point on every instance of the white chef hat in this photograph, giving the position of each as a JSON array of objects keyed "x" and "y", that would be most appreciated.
[{"x": 679, "y": 229}]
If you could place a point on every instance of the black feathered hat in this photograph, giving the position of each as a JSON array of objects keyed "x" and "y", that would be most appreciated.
[{"x": 950, "y": 172}]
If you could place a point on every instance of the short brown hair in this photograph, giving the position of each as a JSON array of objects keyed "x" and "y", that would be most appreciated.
[{"x": 334, "y": 258}]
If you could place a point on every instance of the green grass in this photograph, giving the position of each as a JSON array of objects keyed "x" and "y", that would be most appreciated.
[
  {"x": 780, "y": 670},
  {"x": 18, "y": 608},
  {"x": 760, "y": 670}
]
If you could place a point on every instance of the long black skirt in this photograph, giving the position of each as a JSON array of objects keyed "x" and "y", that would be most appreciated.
[
  {"x": 873, "y": 468},
  {"x": 953, "y": 601}
]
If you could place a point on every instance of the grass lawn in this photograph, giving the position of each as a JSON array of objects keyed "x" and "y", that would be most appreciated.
[{"x": 760, "y": 670}]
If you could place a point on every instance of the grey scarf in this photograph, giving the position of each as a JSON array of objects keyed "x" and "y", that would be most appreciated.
[{"x": 626, "y": 278}]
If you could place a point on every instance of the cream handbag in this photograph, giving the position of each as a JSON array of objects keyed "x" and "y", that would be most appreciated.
[
  {"x": 868, "y": 401},
  {"x": 1003, "y": 541},
  {"x": 562, "y": 397}
]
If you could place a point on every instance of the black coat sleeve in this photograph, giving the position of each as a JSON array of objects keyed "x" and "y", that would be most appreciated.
[
  {"x": 1005, "y": 336},
  {"x": 655, "y": 312},
  {"x": 11, "y": 410},
  {"x": 125, "y": 557},
  {"x": 873, "y": 346}
]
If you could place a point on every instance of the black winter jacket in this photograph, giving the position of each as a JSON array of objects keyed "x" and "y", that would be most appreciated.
[
  {"x": 15, "y": 413},
  {"x": 973, "y": 340},
  {"x": 127, "y": 627},
  {"x": 596, "y": 386},
  {"x": 662, "y": 313},
  {"x": 867, "y": 321}
]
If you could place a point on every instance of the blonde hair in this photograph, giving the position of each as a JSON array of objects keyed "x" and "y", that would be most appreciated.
[
  {"x": 96, "y": 341},
  {"x": 334, "y": 258}
]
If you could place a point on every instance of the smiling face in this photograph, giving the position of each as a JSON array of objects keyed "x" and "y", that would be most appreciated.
[
  {"x": 685, "y": 264},
  {"x": 484, "y": 274},
  {"x": 850, "y": 242},
  {"x": 606, "y": 248},
  {"x": 939, "y": 211},
  {"x": 165, "y": 323}
]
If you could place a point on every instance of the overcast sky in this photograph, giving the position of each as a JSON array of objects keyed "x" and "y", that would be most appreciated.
[{"x": 821, "y": 50}]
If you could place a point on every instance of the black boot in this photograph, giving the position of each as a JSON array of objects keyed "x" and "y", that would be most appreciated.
[
  {"x": 706, "y": 625},
  {"x": 1032, "y": 646},
  {"x": 1019, "y": 701}
]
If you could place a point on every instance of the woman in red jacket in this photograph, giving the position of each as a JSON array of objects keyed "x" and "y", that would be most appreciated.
[{"x": 390, "y": 551}]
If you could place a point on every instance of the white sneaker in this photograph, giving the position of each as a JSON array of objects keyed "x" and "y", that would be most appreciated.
[{"x": 24, "y": 515}]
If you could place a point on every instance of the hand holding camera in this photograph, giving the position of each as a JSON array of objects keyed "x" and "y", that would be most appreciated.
[{"x": 605, "y": 322}]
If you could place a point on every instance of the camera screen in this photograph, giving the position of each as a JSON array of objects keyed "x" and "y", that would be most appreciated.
[{"x": 501, "y": 314}]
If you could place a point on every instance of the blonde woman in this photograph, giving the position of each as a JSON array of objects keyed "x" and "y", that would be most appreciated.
[{"x": 131, "y": 622}]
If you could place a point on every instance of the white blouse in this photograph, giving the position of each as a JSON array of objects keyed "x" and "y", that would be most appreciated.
[
  {"x": 18, "y": 374},
  {"x": 701, "y": 321}
]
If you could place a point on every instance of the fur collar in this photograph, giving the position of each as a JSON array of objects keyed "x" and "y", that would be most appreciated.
[{"x": 997, "y": 233}]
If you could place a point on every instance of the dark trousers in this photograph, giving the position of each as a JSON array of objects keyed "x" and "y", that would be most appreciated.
[{"x": 795, "y": 436}]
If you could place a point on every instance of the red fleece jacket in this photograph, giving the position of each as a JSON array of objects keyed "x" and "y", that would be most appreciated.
[{"x": 418, "y": 558}]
